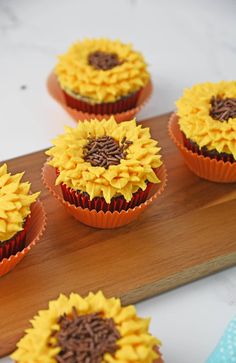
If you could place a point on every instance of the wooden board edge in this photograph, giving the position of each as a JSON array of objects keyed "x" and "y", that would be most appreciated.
[
  {"x": 174, "y": 281},
  {"x": 182, "y": 278}
]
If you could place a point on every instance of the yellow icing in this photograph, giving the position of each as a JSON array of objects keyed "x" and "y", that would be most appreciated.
[
  {"x": 122, "y": 179},
  {"x": 77, "y": 76},
  {"x": 196, "y": 123},
  {"x": 15, "y": 202},
  {"x": 136, "y": 344}
]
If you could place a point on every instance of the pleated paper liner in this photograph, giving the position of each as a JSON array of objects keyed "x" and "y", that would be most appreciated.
[
  {"x": 36, "y": 227},
  {"x": 111, "y": 108},
  {"x": 203, "y": 151},
  {"x": 16, "y": 243},
  {"x": 203, "y": 166},
  {"x": 105, "y": 220},
  {"x": 98, "y": 203},
  {"x": 56, "y": 92}
]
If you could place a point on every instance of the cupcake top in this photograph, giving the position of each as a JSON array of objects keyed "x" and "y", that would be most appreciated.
[
  {"x": 105, "y": 158},
  {"x": 101, "y": 70},
  {"x": 15, "y": 202},
  {"x": 207, "y": 115},
  {"x": 92, "y": 329}
]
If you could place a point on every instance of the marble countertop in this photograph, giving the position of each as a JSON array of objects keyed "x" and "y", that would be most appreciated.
[{"x": 185, "y": 42}]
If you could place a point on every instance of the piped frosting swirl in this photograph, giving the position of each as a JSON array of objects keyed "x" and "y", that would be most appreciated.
[{"x": 15, "y": 202}]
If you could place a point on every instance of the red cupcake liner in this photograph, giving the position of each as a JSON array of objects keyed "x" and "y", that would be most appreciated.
[
  {"x": 101, "y": 219},
  {"x": 219, "y": 171},
  {"x": 34, "y": 229},
  {"x": 207, "y": 153},
  {"x": 98, "y": 203},
  {"x": 122, "y": 105},
  {"x": 56, "y": 92},
  {"x": 15, "y": 244}
]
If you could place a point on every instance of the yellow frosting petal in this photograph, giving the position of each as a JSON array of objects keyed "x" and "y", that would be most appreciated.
[
  {"x": 77, "y": 76},
  {"x": 14, "y": 203},
  {"x": 122, "y": 179},
  {"x": 135, "y": 345},
  {"x": 196, "y": 123}
]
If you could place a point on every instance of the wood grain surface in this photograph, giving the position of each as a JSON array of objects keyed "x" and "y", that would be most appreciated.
[{"x": 189, "y": 232}]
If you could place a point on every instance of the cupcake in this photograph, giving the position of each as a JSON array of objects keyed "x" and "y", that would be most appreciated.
[
  {"x": 15, "y": 210},
  {"x": 101, "y": 76},
  {"x": 105, "y": 166},
  {"x": 88, "y": 330},
  {"x": 206, "y": 118}
]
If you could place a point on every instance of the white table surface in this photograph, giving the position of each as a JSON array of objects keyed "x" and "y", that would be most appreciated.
[{"x": 185, "y": 42}]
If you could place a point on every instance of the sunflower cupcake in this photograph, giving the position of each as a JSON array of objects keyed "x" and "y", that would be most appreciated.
[
  {"x": 15, "y": 204},
  {"x": 93, "y": 329},
  {"x": 101, "y": 76},
  {"x": 105, "y": 166},
  {"x": 206, "y": 118}
]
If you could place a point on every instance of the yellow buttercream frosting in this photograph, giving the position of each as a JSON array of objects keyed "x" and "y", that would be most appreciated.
[
  {"x": 197, "y": 124},
  {"x": 76, "y": 75},
  {"x": 15, "y": 202},
  {"x": 135, "y": 345},
  {"x": 122, "y": 179}
]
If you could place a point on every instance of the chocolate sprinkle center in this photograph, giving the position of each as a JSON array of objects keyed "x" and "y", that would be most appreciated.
[
  {"x": 85, "y": 338},
  {"x": 105, "y": 151},
  {"x": 223, "y": 108},
  {"x": 103, "y": 61}
]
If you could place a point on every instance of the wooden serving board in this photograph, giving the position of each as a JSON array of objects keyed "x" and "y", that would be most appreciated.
[{"x": 189, "y": 232}]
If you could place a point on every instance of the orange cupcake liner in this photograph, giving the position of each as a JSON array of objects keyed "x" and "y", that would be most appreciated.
[
  {"x": 104, "y": 220},
  {"x": 56, "y": 92},
  {"x": 203, "y": 166},
  {"x": 36, "y": 227}
]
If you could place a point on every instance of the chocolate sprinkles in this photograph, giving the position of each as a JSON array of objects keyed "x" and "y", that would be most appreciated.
[
  {"x": 222, "y": 108},
  {"x": 103, "y": 61},
  {"x": 85, "y": 338},
  {"x": 105, "y": 151}
]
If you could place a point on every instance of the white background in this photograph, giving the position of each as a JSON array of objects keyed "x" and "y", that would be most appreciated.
[{"x": 184, "y": 42}]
